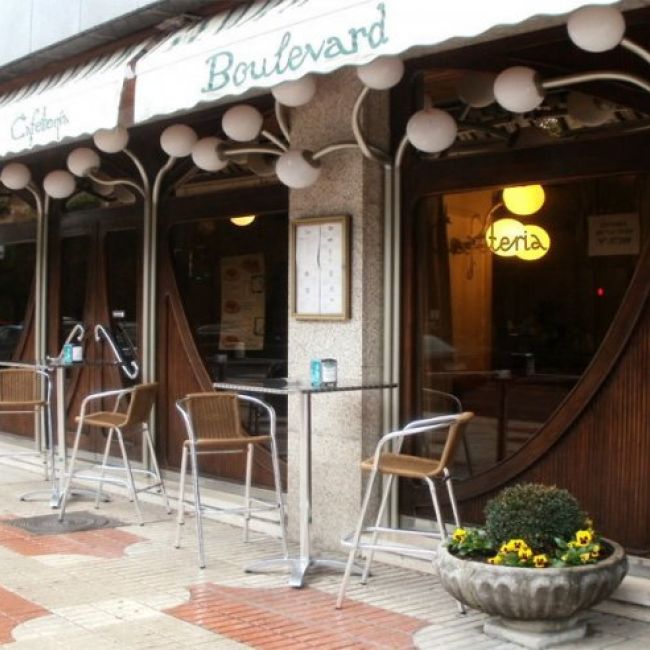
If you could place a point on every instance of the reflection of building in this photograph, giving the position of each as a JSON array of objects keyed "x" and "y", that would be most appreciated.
[{"x": 548, "y": 352}]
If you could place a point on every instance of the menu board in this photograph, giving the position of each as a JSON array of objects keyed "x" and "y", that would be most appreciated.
[
  {"x": 243, "y": 302},
  {"x": 320, "y": 268}
]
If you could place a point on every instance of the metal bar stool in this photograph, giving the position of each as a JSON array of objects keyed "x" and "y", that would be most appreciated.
[
  {"x": 27, "y": 390},
  {"x": 141, "y": 400},
  {"x": 213, "y": 425},
  {"x": 430, "y": 470}
]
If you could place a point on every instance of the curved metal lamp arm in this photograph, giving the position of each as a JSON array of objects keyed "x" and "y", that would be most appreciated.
[
  {"x": 115, "y": 182},
  {"x": 342, "y": 146},
  {"x": 372, "y": 153},
  {"x": 274, "y": 139},
  {"x": 598, "y": 75},
  {"x": 236, "y": 150},
  {"x": 141, "y": 170},
  {"x": 635, "y": 48},
  {"x": 282, "y": 121}
]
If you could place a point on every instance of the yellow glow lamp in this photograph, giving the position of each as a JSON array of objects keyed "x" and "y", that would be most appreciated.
[{"x": 524, "y": 199}]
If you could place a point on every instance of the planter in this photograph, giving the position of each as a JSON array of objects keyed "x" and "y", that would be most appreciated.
[{"x": 536, "y": 608}]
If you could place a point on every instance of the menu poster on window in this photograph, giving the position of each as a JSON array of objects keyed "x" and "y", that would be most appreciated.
[
  {"x": 320, "y": 268},
  {"x": 614, "y": 234},
  {"x": 243, "y": 302}
]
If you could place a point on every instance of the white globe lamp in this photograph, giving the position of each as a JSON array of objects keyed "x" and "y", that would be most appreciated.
[
  {"x": 476, "y": 88},
  {"x": 431, "y": 130},
  {"x": 242, "y": 123},
  {"x": 15, "y": 176},
  {"x": 382, "y": 73},
  {"x": 596, "y": 29},
  {"x": 111, "y": 140},
  {"x": 296, "y": 169},
  {"x": 518, "y": 90},
  {"x": 206, "y": 156},
  {"x": 295, "y": 93},
  {"x": 83, "y": 160},
  {"x": 177, "y": 140},
  {"x": 59, "y": 184},
  {"x": 587, "y": 109}
]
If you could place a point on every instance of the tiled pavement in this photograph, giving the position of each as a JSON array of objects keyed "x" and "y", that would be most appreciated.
[{"x": 129, "y": 588}]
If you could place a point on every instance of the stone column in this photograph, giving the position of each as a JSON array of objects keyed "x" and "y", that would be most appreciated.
[{"x": 345, "y": 425}]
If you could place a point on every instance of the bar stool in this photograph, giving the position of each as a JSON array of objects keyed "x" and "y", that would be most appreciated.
[
  {"x": 213, "y": 425},
  {"x": 430, "y": 470},
  {"x": 140, "y": 402},
  {"x": 27, "y": 390}
]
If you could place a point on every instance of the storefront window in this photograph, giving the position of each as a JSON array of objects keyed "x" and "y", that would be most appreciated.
[
  {"x": 16, "y": 276},
  {"x": 511, "y": 313}
]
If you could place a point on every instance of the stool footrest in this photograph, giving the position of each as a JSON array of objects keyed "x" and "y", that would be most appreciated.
[{"x": 402, "y": 549}]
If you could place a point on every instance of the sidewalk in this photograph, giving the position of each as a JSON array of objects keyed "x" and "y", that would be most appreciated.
[{"x": 127, "y": 587}]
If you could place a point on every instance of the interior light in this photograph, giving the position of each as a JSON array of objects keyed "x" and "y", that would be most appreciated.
[
  {"x": 246, "y": 220},
  {"x": 536, "y": 244},
  {"x": 600, "y": 292},
  {"x": 524, "y": 199},
  {"x": 511, "y": 238}
]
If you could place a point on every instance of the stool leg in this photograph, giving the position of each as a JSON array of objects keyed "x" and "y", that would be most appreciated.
[
  {"x": 68, "y": 479},
  {"x": 380, "y": 514},
  {"x": 278, "y": 495},
  {"x": 356, "y": 538},
  {"x": 180, "y": 520},
  {"x": 247, "y": 489},
  {"x": 452, "y": 498},
  {"x": 107, "y": 448},
  {"x": 129, "y": 474},
  {"x": 197, "y": 505},
  {"x": 154, "y": 461}
]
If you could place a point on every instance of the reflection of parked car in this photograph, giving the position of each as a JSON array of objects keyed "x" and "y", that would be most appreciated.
[{"x": 9, "y": 336}]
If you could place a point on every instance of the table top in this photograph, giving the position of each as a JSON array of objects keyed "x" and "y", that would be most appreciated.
[{"x": 288, "y": 386}]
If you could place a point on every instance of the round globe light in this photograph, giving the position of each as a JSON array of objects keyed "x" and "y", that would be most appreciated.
[
  {"x": 524, "y": 199},
  {"x": 295, "y": 93},
  {"x": 15, "y": 176},
  {"x": 431, "y": 130},
  {"x": 476, "y": 88},
  {"x": 242, "y": 123},
  {"x": 83, "y": 160},
  {"x": 246, "y": 220},
  {"x": 59, "y": 184},
  {"x": 111, "y": 140},
  {"x": 596, "y": 29},
  {"x": 500, "y": 235},
  {"x": 538, "y": 243},
  {"x": 382, "y": 73},
  {"x": 296, "y": 169},
  {"x": 518, "y": 90},
  {"x": 177, "y": 140},
  {"x": 587, "y": 109},
  {"x": 206, "y": 156}
]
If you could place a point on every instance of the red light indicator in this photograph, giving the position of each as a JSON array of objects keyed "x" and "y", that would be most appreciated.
[{"x": 600, "y": 292}]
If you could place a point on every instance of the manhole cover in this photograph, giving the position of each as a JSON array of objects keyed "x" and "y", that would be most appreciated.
[{"x": 74, "y": 522}]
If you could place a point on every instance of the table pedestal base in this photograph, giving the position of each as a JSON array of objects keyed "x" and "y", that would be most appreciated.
[
  {"x": 55, "y": 496},
  {"x": 299, "y": 567}
]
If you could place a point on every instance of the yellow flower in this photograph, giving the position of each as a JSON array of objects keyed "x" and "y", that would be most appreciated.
[
  {"x": 572, "y": 544},
  {"x": 497, "y": 559},
  {"x": 540, "y": 561},
  {"x": 565, "y": 557},
  {"x": 516, "y": 544},
  {"x": 459, "y": 535},
  {"x": 584, "y": 537},
  {"x": 585, "y": 557},
  {"x": 524, "y": 553},
  {"x": 595, "y": 551}
]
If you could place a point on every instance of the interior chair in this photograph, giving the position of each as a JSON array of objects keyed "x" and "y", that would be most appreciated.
[
  {"x": 213, "y": 424},
  {"x": 27, "y": 390},
  {"x": 131, "y": 409},
  {"x": 392, "y": 464}
]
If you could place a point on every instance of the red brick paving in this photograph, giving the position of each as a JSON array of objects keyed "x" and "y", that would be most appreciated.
[
  {"x": 105, "y": 543},
  {"x": 274, "y": 619},
  {"x": 15, "y": 610}
]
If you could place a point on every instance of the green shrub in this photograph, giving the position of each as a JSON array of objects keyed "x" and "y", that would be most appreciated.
[{"x": 538, "y": 514}]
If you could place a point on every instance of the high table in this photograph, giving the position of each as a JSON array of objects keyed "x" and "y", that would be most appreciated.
[{"x": 299, "y": 566}]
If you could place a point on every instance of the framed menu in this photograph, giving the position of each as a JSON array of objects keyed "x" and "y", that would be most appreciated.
[{"x": 320, "y": 259}]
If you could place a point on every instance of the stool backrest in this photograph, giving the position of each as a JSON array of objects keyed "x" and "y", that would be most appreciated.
[
  {"x": 456, "y": 431},
  {"x": 143, "y": 397},
  {"x": 214, "y": 415},
  {"x": 20, "y": 385}
]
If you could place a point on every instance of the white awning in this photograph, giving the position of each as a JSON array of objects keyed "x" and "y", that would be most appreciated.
[
  {"x": 263, "y": 44},
  {"x": 69, "y": 104}
]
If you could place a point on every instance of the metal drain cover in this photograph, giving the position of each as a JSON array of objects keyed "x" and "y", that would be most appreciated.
[{"x": 74, "y": 522}]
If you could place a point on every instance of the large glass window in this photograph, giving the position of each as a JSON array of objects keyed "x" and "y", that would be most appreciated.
[{"x": 512, "y": 308}]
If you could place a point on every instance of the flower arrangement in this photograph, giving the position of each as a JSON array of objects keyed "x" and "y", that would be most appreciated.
[{"x": 531, "y": 525}]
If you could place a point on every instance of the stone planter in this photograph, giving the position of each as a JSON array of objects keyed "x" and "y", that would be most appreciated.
[{"x": 536, "y": 608}]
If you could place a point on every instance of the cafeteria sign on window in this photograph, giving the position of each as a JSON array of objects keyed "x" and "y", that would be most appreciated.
[{"x": 242, "y": 303}]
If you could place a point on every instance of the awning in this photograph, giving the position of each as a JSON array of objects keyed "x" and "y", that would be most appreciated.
[
  {"x": 75, "y": 102},
  {"x": 263, "y": 44}
]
